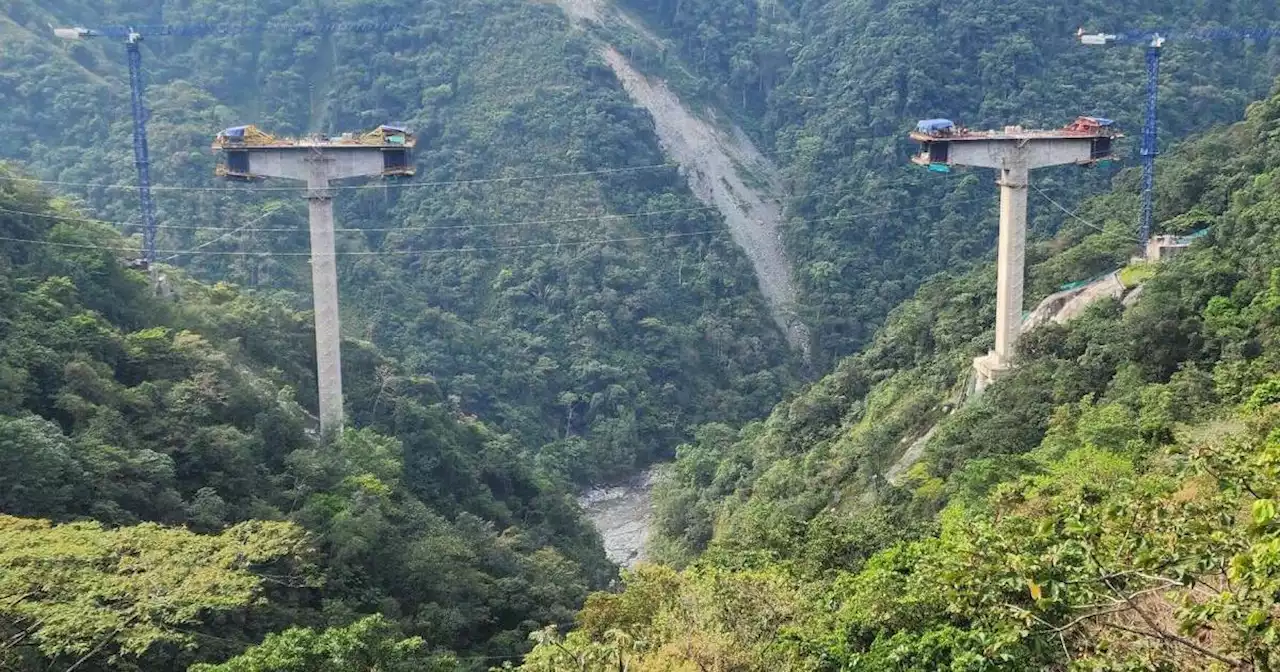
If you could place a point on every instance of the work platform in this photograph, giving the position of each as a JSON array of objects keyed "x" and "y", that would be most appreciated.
[
  {"x": 943, "y": 144},
  {"x": 273, "y": 155}
]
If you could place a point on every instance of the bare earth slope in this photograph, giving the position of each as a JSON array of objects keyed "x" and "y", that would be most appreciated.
[{"x": 719, "y": 160}]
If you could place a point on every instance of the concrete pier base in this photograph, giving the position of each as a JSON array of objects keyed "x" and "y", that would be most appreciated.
[{"x": 987, "y": 370}]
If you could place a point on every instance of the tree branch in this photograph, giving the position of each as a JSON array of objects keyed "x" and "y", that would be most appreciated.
[
  {"x": 1140, "y": 593},
  {"x": 1074, "y": 622},
  {"x": 17, "y": 639},
  {"x": 18, "y": 599},
  {"x": 1162, "y": 633},
  {"x": 92, "y": 652}
]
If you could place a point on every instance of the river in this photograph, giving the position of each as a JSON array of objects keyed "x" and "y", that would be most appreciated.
[{"x": 622, "y": 514}]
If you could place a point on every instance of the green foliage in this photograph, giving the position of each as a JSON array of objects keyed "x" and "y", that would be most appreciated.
[
  {"x": 1108, "y": 505},
  {"x": 1087, "y": 564},
  {"x": 831, "y": 86},
  {"x": 595, "y": 336},
  {"x": 1116, "y": 379},
  {"x": 701, "y": 619},
  {"x": 372, "y": 643},
  {"x": 1136, "y": 274},
  {"x": 76, "y": 590},
  {"x": 593, "y": 343},
  {"x": 125, "y": 407}
]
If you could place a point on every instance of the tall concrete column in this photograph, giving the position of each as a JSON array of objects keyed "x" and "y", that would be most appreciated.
[
  {"x": 250, "y": 154},
  {"x": 324, "y": 284},
  {"x": 1011, "y": 252}
]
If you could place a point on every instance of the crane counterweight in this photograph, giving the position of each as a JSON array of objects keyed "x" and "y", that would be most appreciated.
[
  {"x": 72, "y": 33},
  {"x": 1094, "y": 38}
]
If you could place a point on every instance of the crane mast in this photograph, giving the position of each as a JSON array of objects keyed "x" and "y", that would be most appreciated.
[
  {"x": 141, "y": 154},
  {"x": 1150, "y": 148},
  {"x": 1150, "y": 145}
]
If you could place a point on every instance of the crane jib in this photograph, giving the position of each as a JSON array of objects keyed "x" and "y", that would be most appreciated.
[
  {"x": 1200, "y": 34},
  {"x": 216, "y": 29}
]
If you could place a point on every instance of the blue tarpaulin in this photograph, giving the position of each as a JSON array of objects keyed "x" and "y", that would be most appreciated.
[
  {"x": 1101, "y": 121},
  {"x": 934, "y": 125},
  {"x": 1191, "y": 238},
  {"x": 235, "y": 132}
]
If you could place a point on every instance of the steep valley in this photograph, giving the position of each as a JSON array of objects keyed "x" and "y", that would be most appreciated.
[{"x": 665, "y": 295}]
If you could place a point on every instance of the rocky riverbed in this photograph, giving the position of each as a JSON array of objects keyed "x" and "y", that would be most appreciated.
[{"x": 622, "y": 514}]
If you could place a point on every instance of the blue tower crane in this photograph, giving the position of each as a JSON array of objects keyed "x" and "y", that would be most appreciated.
[
  {"x": 132, "y": 37},
  {"x": 1155, "y": 41}
]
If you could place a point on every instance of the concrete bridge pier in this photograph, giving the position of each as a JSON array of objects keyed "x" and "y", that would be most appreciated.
[{"x": 1014, "y": 152}]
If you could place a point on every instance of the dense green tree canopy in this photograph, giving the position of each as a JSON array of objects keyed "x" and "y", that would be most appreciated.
[
  {"x": 369, "y": 644},
  {"x": 75, "y": 590},
  {"x": 128, "y": 408},
  {"x": 1107, "y": 506},
  {"x": 596, "y": 315},
  {"x": 546, "y": 305}
]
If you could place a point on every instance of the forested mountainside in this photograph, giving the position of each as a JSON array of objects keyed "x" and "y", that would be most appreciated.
[
  {"x": 546, "y": 303},
  {"x": 595, "y": 315},
  {"x": 829, "y": 86},
  {"x": 147, "y": 415},
  {"x": 1111, "y": 505}
]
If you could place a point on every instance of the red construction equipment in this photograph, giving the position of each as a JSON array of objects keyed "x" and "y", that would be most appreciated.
[{"x": 1088, "y": 125}]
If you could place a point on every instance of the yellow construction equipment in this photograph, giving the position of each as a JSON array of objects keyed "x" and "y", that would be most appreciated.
[{"x": 244, "y": 136}]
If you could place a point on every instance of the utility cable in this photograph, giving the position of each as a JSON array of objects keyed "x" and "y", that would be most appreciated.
[
  {"x": 366, "y": 253},
  {"x": 406, "y": 184},
  {"x": 199, "y": 249},
  {"x": 529, "y": 222},
  {"x": 221, "y": 237},
  {"x": 447, "y": 227},
  {"x": 355, "y": 187},
  {"x": 1081, "y": 219}
]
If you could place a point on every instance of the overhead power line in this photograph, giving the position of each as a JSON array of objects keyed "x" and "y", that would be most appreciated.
[
  {"x": 1080, "y": 219},
  {"x": 528, "y": 222},
  {"x": 371, "y": 253},
  {"x": 232, "y": 230},
  {"x": 354, "y": 187},
  {"x": 414, "y": 184},
  {"x": 224, "y": 236},
  {"x": 449, "y": 227}
]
